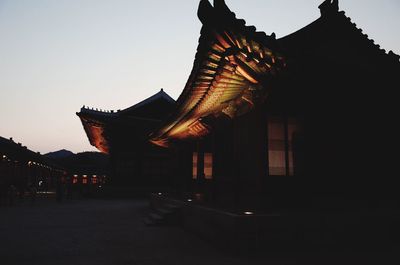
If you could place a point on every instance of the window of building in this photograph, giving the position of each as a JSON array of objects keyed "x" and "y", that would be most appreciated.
[
  {"x": 276, "y": 147},
  {"x": 280, "y": 146},
  {"x": 194, "y": 163},
  {"x": 208, "y": 165},
  {"x": 293, "y": 128}
]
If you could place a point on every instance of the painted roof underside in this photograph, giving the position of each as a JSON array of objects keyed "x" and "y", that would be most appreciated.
[
  {"x": 230, "y": 74},
  {"x": 94, "y": 124}
]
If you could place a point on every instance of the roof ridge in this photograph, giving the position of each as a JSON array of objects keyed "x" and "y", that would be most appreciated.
[
  {"x": 205, "y": 9},
  {"x": 97, "y": 111},
  {"x": 160, "y": 94},
  {"x": 330, "y": 8},
  {"x": 372, "y": 41},
  {"x": 389, "y": 54}
]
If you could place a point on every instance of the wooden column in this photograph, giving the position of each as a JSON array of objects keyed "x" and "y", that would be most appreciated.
[
  {"x": 200, "y": 162},
  {"x": 286, "y": 138}
]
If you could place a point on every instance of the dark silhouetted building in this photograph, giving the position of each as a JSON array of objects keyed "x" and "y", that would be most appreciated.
[
  {"x": 21, "y": 168},
  {"x": 267, "y": 120},
  {"x": 303, "y": 123},
  {"x": 88, "y": 172},
  {"x": 270, "y": 134},
  {"x": 124, "y": 136}
]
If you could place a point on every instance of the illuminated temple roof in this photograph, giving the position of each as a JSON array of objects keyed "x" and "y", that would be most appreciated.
[
  {"x": 230, "y": 74},
  {"x": 148, "y": 113},
  {"x": 233, "y": 72},
  {"x": 235, "y": 63}
]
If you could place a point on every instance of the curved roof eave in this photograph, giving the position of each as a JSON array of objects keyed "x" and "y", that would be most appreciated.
[{"x": 231, "y": 68}]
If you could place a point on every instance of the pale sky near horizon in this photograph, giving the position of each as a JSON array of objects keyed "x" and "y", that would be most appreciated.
[{"x": 56, "y": 56}]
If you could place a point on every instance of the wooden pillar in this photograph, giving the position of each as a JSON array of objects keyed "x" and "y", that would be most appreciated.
[
  {"x": 286, "y": 138},
  {"x": 266, "y": 146},
  {"x": 200, "y": 162},
  {"x": 185, "y": 168}
]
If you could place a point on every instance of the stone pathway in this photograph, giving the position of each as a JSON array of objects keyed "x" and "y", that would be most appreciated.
[{"x": 112, "y": 232}]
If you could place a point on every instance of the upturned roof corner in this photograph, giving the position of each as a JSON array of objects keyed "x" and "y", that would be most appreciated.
[{"x": 329, "y": 7}]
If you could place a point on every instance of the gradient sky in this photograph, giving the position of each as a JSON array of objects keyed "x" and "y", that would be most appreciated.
[{"x": 57, "y": 55}]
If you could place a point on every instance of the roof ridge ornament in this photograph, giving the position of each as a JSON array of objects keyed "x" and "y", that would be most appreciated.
[
  {"x": 222, "y": 6},
  {"x": 394, "y": 56},
  {"x": 204, "y": 11},
  {"x": 329, "y": 7}
]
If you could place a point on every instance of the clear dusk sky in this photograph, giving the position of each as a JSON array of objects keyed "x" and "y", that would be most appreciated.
[{"x": 58, "y": 55}]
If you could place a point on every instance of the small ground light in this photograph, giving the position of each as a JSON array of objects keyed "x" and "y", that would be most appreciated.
[
  {"x": 248, "y": 213},
  {"x": 160, "y": 193},
  {"x": 189, "y": 200}
]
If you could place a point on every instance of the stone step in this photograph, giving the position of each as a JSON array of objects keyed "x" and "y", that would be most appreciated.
[
  {"x": 156, "y": 216},
  {"x": 164, "y": 211},
  {"x": 147, "y": 221},
  {"x": 165, "y": 215}
]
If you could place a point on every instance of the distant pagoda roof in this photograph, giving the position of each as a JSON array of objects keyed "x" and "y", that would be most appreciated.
[
  {"x": 161, "y": 95},
  {"x": 95, "y": 121},
  {"x": 230, "y": 75}
]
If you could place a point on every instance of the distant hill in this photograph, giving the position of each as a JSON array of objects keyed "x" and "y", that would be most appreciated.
[
  {"x": 89, "y": 158},
  {"x": 82, "y": 163},
  {"x": 59, "y": 154}
]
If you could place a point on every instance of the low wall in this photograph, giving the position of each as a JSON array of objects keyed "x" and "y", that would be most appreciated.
[{"x": 288, "y": 230}]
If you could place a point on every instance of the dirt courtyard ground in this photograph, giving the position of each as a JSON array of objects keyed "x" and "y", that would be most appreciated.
[{"x": 112, "y": 232}]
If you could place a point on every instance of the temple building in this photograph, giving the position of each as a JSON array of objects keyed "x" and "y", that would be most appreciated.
[
  {"x": 124, "y": 136},
  {"x": 268, "y": 122},
  {"x": 266, "y": 128},
  {"x": 21, "y": 167},
  {"x": 87, "y": 171},
  {"x": 301, "y": 123}
]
